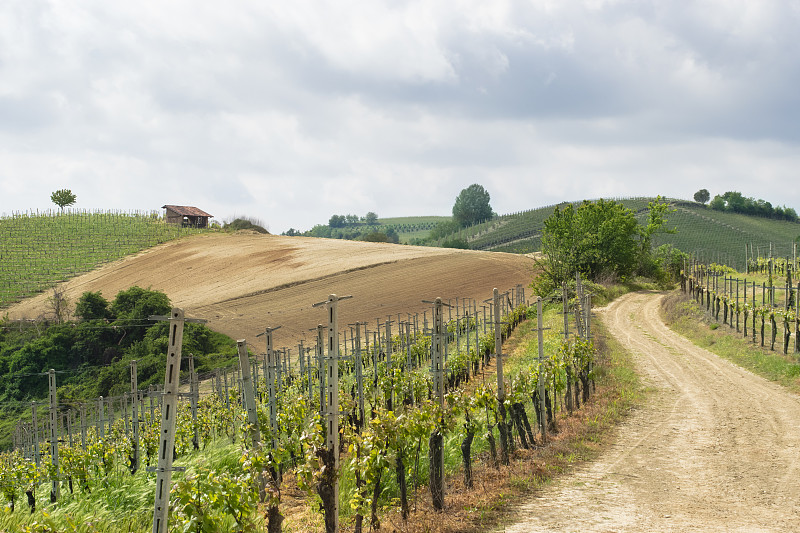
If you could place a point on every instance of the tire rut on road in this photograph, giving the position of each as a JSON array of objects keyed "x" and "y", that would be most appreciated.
[{"x": 714, "y": 448}]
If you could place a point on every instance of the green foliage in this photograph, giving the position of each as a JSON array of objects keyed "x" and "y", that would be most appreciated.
[
  {"x": 371, "y": 218},
  {"x": 702, "y": 196},
  {"x": 472, "y": 206},
  {"x": 379, "y": 236},
  {"x": 91, "y": 306},
  {"x": 598, "y": 238},
  {"x": 657, "y": 212},
  {"x": 735, "y": 202},
  {"x": 443, "y": 229},
  {"x": 245, "y": 224},
  {"x": 98, "y": 350},
  {"x": 456, "y": 242},
  {"x": 63, "y": 198},
  {"x": 337, "y": 221}
]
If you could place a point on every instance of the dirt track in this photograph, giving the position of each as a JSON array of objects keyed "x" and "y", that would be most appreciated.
[
  {"x": 243, "y": 283},
  {"x": 715, "y": 448}
]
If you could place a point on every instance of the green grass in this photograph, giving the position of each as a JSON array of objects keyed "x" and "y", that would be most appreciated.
[{"x": 39, "y": 250}]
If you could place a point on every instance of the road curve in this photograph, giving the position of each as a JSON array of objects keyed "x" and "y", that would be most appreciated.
[{"x": 714, "y": 448}]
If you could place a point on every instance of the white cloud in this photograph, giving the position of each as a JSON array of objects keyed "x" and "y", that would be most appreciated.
[{"x": 296, "y": 111}]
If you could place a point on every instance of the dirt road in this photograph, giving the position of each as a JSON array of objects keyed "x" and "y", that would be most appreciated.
[{"x": 715, "y": 448}]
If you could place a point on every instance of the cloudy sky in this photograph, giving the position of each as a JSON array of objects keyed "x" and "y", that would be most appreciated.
[{"x": 293, "y": 111}]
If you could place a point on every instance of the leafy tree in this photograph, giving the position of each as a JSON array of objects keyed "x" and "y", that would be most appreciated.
[
  {"x": 337, "y": 221},
  {"x": 137, "y": 304},
  {"x": 472, "y": 206},
  {"x": 657, "y": 211},
  {"x": 717, "y": 203},
  {"x": 63, "y": 198},
  {"x": 734, "y": 201},
  {"x": 702, "y": 196},
  {"x": 371, "y": 219},
  {"x": 91, "y": 306},
  {"x": 594, "y": 239},
  {"x": 443, "y": 229}
]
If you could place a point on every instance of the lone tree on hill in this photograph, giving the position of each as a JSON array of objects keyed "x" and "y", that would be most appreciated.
[
  {"x": 702, "y": 196},
  {"x": 472, "y": 206},
  {"x": 63, "y": 198}
]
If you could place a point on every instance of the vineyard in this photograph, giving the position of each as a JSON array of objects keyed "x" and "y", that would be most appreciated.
[
  {"x": 38, "y": 250},
  {"x": 766, "y": 303},
  {"x": 713, "y": 236},
  {"x": 415, "y": 397}
]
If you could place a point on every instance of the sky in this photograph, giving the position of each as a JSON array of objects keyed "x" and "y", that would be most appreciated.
[{"x": 290, "y": 112}]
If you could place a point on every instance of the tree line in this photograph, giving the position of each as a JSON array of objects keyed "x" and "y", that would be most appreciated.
[{"x": 736, "y": 202}]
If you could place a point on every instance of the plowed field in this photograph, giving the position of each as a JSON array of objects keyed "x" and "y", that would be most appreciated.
[{"x": 243, "y": 283}]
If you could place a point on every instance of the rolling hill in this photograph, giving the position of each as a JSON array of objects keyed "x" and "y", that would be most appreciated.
[
  {"x": 714, "y": 236},
  {"x": 243, "y": 283}
]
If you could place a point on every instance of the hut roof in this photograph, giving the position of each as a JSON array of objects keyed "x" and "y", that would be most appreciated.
[{"x": 187, "y": 211}]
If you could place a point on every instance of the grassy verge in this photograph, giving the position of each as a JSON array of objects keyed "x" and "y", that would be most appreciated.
[{"x": 686, "y": 317}]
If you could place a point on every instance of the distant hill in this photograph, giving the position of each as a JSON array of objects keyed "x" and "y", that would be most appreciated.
[{"x": 712, "y": 235}]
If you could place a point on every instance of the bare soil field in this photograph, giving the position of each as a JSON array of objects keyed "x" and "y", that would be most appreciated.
[
  {"x": 244, "y": 283},
  {"x": 715, "y": 448}
]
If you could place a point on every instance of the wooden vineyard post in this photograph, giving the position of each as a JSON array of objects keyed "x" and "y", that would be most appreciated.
[
  {"x": 737, "y": 306},
  {"x": 134, "y": 418},
  {"x": 101, "y": 424},
  {"x": 68, "y": 425},
  {"x": 300, "y": 360},
  {"x": 321, "y": 366},
  {"x": 359, "y": 374},
  {"x": 249, "y": 393},
  {"x": 587, "y": 319},
  {"x": 225, "y": 383},
  {"x": 34, "y": 422},
  {"x": 565, "y": 304},
  {"x": 308, "y": 373},
  {"x": 754, "y": 311},
  {"x": 540, "y": 382},
  {"x": 501, "y": 386},
  {"x": 436, "y": 442},
  {"x": 55, "y": 492},
  {"x": 110, "y": 414},
  {"x": 328, "y": 487},
  {"x": 169, "y": 411},
  {"x": 194, "y": 395},
  {"x": 270, "y": 376},
  {"x": 83, "y": 426},
  {"x": 125, "y": 411},
  {"x": 278, "y": 370}
]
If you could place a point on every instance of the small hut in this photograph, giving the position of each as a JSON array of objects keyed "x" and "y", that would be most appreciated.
[{"x": 186, "y": 215}]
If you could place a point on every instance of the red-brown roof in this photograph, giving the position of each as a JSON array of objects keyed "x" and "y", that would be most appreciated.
[{"x": 187, "y": 211}]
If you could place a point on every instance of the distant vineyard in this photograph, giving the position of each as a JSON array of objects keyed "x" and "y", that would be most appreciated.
[
  {"x": 712, "y": 236},
  {"x": 38, "y": 250}
]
